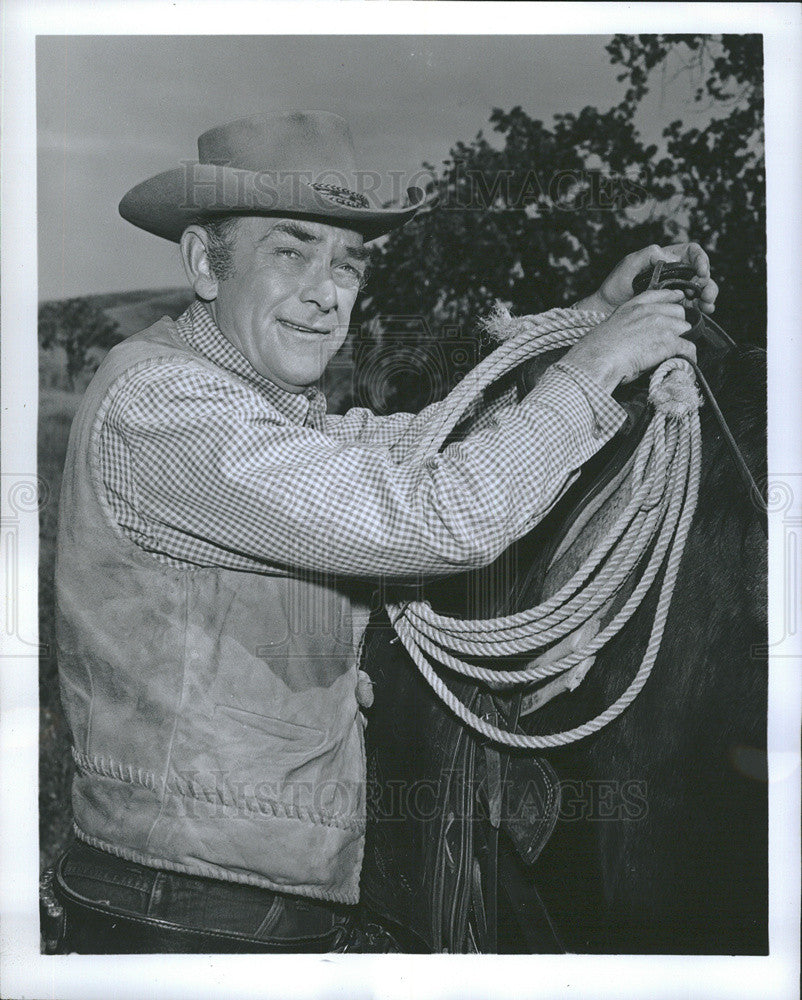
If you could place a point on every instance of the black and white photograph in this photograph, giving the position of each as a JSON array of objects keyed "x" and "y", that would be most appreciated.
[{"x": 401, "y": 500}]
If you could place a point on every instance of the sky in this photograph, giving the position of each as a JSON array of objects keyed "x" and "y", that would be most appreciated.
[{"x": 112, "y": 111}]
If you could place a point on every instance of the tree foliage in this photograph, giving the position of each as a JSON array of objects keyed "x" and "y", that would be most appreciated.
[
  {"x": 76, "y": 325},
  {"x": 538, "y": 216},
  {"x": 718, "y": 169}
]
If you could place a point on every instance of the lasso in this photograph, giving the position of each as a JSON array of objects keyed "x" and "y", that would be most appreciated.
[{"x": 664, "y": 487}]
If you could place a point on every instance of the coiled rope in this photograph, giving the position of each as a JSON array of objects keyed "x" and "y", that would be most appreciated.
[{"x": 664, "y": 485}]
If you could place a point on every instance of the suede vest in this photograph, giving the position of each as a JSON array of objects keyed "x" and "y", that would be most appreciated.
[{"x": 213, "y": 712}]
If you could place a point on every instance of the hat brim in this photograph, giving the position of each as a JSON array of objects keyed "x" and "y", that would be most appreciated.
[{"x": 169, "y": 202}]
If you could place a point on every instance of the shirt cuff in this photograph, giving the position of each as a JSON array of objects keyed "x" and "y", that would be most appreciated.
[
  {"x": 607, "y": 413},
  {"x": 588, "y": 416}
]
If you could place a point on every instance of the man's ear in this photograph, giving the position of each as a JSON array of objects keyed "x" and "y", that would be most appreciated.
[{"x": 197, "y": 266}]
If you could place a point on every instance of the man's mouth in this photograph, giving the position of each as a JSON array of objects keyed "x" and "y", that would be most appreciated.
[{"x": 302, "y": 328}]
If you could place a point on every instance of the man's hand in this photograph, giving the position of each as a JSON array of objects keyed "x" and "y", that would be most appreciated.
[
  {"x": 617, "y": 288},
  {"x": 638, "y": 336}
]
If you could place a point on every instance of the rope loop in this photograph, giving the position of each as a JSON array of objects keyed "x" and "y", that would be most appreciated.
[
  {"x": 673, "y": 390},
  {"x": 663, "y": 483}
]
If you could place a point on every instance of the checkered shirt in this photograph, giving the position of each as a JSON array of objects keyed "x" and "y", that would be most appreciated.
[{"x": 221, "y": 467}]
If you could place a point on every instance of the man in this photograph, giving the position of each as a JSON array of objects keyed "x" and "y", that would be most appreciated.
[{"x": 218, "y": 533}]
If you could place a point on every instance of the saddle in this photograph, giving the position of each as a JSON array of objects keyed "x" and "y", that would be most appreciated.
[{"x": 437, "y": 797}]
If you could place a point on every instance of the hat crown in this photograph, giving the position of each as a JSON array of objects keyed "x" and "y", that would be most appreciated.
[
  {"x": 301, "y": 163},
  {"x": 318, "y": 142}
]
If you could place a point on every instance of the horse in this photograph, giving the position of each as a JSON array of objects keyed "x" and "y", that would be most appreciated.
[{"x": 658, "y": 842}]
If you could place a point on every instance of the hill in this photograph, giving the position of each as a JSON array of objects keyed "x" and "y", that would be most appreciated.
[
  {"x": 139, "y": 309},
  {"x": 132, "y": 311}
]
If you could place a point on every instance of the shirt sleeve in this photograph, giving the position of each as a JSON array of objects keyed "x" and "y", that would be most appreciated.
[
  {"x": 210, "y": 459},
  {"x": 401, "y": 431},
  {"x": 361, "y": 426}
]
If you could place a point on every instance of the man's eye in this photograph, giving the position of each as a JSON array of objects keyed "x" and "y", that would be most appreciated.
[
  {"x": 352, "y": 271},
  {"x": 289, "y": 253}
]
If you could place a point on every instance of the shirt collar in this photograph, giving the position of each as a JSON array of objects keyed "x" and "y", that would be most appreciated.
[{"x": 203, "y": 335}]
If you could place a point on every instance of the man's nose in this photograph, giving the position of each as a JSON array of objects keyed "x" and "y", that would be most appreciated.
[{"x": 321, "y": 290}]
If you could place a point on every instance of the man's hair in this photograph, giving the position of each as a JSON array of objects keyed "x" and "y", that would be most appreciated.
[{"x": 220, "y": 239}]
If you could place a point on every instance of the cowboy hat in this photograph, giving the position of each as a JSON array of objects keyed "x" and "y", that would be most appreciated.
[{"x": 300, "y": 164}]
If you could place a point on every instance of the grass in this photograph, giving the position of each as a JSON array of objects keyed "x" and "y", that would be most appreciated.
[
  {"x": 139, "y": 309},
  {"x": 56, "y": 410}
]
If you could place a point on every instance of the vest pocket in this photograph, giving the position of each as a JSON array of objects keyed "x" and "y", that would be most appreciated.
[{"x": 278, "y": 728}]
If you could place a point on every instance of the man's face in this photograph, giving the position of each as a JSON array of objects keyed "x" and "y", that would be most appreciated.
[{"x": 287, "y": 304}]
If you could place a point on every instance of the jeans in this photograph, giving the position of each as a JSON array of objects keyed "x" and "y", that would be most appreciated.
[{"x": 114, "y": 906}]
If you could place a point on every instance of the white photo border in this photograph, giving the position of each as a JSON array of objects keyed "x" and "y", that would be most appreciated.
[{"x": 27, "y": 973}]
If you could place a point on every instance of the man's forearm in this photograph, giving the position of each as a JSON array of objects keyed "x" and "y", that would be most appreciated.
[
  {"x": 594, "y": 303},
  {"x": 595, "y": 364}
]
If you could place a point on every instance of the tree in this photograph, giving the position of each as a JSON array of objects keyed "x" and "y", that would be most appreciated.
[
  {"x": 538, "y": 217},
  {"x": 77, "y": 325},
  {"x": 718, "y": 170}
]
